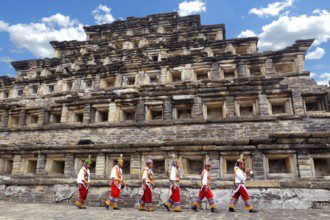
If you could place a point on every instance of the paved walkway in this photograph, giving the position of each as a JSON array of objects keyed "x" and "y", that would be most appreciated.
[{"x": 10, "y": 210}]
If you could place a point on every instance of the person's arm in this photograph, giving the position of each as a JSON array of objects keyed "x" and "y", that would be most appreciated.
[
  {"x": 144, "y": 179},
  {"x": 248, "y": 176},
  {"x": 121, "y": 181},
  {"x": 123, "y": 184},
  {"x": 144, "y": 183},
  {"x": 79, "y": 178},
  {"x": 116, "y": 177},
  {"x": 205, "y": 181},
  {"x": 173, "y": 184}
]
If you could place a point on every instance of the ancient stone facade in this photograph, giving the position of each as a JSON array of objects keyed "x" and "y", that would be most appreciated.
[{"x": 160, "y": 86}]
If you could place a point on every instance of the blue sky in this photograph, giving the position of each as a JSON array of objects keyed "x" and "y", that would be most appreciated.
[{"x": 27, "y": 26}]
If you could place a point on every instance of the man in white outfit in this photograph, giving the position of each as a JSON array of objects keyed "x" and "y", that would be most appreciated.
[
  {"x": 174, "y": 199},
  {"x": 83, "y": 181},
  {"x": 148, "y": 186},
  {"x": 205, "y": 191},
  {"x": 239, "y": 189},
  {"x": 116, "y": 184}
]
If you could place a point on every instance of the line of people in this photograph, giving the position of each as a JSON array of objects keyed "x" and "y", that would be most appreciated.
[{"x": 174, "y": 201}]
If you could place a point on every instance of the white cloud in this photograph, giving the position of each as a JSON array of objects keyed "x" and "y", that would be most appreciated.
[
  {"x": 192, "y": 7},
  {"x": 6, "y": 59},
  {"x": 247, "y": 33},
  {"x": 312, "y": 74},
  {"x": 16, "y": 51},
  {"x": 272, "y": 9},
  {"x": 324, "y": 79},
  {"x": 60, "y": 20},
  {"x": 3, "y": 25},
  {"x": 325, "y": 76},
  {"x": 102, "y": 15},
  {"x": 286, "y": 29},
  {"x": 321, "y": 79},
  {"x": 318, "y": 53},
  {"x": 35, "y": 37}
]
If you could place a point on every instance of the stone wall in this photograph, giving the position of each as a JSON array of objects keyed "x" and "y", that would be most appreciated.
[
  {"x": 262, "y": 198},
  {"x": 226, "y": 130}
]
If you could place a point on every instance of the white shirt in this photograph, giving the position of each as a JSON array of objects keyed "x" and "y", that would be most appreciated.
[
  {"x": 145, "y": 176},
  {"x": 81, "y": 176},
  {"x": 240, "y": 176},
  {"x": 205, "y": 177},
  {"x": 114, "y": 173},
  {"x": 174, "y": 174}
]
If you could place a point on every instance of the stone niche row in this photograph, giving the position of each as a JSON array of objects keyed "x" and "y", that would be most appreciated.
[
  {"x": 186, "y": 73},
  {"x": 152, "y": 46},
  {"x": 179, "y": 107},
  {"x": 269, "y": 166},
  {"x": 163, "y": 31},
  {"x": 131, "y": 42}
]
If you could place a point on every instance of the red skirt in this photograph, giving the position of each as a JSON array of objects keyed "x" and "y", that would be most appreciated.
[
  {"x": 175, "y": 196},
  {"x": 115, "y": 191},
  {"x": 208, "y": 194},
  {"x": 147, "y": 195},
  {"x": 83, "y": 191},
  {"x": 241, "y": 191}
]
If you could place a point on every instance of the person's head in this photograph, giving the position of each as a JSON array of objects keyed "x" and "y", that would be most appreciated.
[
  {"x": 120, "y": 162},
  {"x": 87, "y": 163},
  {"x": 176, "y": 164},
  {"x": 240, "y": 164},
  {"x": 208, "y": 166},
  {"x": 149, "y": 163}
]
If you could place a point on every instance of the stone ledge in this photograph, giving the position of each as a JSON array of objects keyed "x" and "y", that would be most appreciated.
[
  {"x": 319, "y": 115},
  {"x": 263, "y": 184},
  {"x": 130, "y": 147},
  {"x": 180, "y": 146},
  {"x": 294, "y": 184},
  {"x": 154, "y": 124},
  {"x": 165, "y": 183},
  {"x": 293, "y": 146}
]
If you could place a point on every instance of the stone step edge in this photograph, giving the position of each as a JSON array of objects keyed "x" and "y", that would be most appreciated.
[{"x": 321, "y": 184}]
